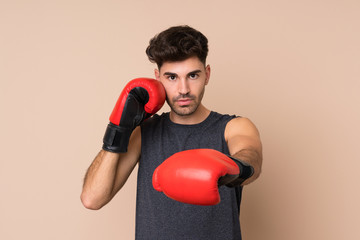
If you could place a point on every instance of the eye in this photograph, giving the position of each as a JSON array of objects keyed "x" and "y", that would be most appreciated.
[
  {"x": 171, "y": 77},
  {"x": 193, "y": 76}
]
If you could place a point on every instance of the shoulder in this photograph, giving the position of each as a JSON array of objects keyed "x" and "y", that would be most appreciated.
[
  {"x": 240, "y": 126},
  {"x": 153, "y": 120},
  {"x": 221, "y": 115},
  {"x": 221, "y": 118},
  {"x": 241, "y": 133}
]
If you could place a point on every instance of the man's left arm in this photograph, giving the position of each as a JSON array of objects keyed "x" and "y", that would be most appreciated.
[{"x": 244, "y": 143}]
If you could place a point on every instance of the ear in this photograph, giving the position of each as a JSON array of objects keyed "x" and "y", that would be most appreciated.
[
  {"x": 207, "y": 72},
  {"x": 157, "y": 74}
]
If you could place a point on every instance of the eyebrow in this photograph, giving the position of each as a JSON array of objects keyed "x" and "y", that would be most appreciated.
[
  {"x": 169, "y": 74},
  {"x": 194, "y": 72},
  {"x": 174, "y": 74}
]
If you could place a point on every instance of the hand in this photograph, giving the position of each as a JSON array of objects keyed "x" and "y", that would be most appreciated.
[
  {"x": 193, "y": 176},
  {"x": 141, "y": 98}
]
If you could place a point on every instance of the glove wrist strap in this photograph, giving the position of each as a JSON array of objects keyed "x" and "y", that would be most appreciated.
[
  {"x": 116, "y": 138},
  {"x": 246, "y": 171}
]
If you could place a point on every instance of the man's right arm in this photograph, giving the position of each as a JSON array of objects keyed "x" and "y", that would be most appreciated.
[
  {"x": 140, "y": 99},
  {"x": 109, "y": 172}
]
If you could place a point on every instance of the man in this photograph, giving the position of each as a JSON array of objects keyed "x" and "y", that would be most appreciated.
[{"x": 193, "y": 162}]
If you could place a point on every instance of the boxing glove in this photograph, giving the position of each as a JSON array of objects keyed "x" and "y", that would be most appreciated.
[
  {"x": 193, "y": 176},
  {"x": 141, "y": 98}
]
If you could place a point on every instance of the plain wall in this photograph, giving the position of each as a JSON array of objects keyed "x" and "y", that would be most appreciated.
[{"x": 292, "y": 67}]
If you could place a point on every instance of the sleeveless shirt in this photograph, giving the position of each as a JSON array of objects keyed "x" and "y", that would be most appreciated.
[{"x": 159, "y": 217}]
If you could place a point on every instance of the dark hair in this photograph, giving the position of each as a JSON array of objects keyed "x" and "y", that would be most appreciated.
[{"x": 177, "y": 44}]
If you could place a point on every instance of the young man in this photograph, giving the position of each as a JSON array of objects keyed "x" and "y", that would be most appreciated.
[{"x": 193, "y": 162}]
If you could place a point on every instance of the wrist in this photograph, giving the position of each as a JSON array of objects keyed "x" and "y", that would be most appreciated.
[
  {"x": 116, "y": 138},
  {"x": 246, "y": 171}
]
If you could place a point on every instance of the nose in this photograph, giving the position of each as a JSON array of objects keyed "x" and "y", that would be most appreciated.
[{"x": 184, "y": 86}]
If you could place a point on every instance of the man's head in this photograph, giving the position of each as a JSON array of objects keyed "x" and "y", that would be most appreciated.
[
  {"x": 180, "y": 53},
  {"x": 177, "y": 44}
]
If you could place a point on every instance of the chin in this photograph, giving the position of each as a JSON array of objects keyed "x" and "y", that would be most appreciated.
[{"x": 184, "y": 111}]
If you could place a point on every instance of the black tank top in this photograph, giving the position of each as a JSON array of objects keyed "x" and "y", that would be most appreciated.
[{"x": 159, "y": 217}]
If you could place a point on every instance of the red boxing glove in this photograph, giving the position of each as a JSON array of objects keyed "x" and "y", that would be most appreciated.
[
  {"x": 193, "y": 176},
  {"x": 141, "y": 98}
]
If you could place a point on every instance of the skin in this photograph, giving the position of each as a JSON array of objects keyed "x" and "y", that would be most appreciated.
[{"x": 184, "y": 83}]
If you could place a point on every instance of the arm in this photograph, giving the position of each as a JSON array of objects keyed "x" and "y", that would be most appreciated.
[
  {"x": 141, "y": 98},
  {"x": 244, "y": 143},
  {"x": 109, "y": 172},
  {"x": 193, "y": 176}
]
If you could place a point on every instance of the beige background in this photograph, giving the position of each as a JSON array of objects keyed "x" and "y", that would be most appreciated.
[{"x": 290, "y": 66}]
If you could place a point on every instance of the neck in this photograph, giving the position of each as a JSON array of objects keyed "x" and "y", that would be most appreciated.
[{"x": 198, "y": 116}]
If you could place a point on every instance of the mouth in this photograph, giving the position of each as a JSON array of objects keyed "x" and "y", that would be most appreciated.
[{"x": 184, "y": 101}]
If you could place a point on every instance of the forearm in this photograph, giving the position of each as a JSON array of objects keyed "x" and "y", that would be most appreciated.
[
  {"x": 98, "y": 188},
  {"x": 253, "y": 158}
]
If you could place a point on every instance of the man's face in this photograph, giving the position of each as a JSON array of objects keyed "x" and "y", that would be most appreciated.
[{"x": 184, "y": 82}]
